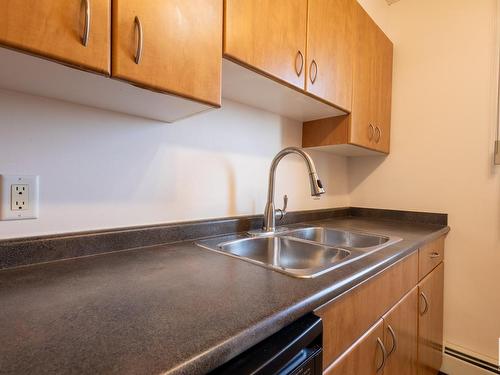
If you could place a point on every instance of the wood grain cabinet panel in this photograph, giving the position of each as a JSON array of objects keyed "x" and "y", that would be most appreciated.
[
  {"x": 430, "y": 322},
  {"x": 364, "y": 357},
  {"x": 268, "y": 36},
  {"x": 330, "y": 29},
  {"x": 55, "y": 29},
  {"x": 181, "y": 46},
  {"x": 400, "y": 336},
  {"x": 346, "y": 318}
]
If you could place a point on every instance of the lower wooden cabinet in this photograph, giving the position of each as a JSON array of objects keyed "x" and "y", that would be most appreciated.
[
  {"x": 430, "y": 322},
  {"x": 392, "y": 324},
  {"x": 367, "y": 356},
  {"x": 400, "y": 336}
]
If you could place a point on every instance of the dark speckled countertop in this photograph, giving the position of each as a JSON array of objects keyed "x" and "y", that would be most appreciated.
[{"x": 168, "y": 309}]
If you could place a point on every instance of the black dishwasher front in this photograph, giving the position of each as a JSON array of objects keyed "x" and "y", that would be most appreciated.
[{"x": 294, "y": 350}]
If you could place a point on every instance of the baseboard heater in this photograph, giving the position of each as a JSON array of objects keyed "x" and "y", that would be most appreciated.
[{"x": 473, "y": 360}]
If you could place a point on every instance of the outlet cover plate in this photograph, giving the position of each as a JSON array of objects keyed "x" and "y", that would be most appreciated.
[{"x": 31, "y": 210}]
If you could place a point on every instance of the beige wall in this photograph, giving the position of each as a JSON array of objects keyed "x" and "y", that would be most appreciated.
[{"x": 442, "y": 146}]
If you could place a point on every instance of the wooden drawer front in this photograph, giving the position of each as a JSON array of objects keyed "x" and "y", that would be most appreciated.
[
  {"x": 364, "y": 357},
  {"x": 345, "y": 319},
  {"x": 429, "y": 256}
]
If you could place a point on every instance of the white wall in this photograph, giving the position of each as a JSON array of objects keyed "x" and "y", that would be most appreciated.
[
  {"x": 101, "y": 169},
  {"x": 443, "y": 133}
]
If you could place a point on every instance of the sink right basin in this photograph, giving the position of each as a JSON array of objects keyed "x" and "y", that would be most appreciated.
[{"x": 338, "y": 238}]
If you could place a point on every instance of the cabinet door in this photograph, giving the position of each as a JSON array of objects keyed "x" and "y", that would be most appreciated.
[
  {"x": 56, "y": 29},
  {"x": 430, "y": 322},
  {"x": 372, "y": 85},
  {"x": 364, "y": 99},
  {"x": 382, "y": 135},
  {"x": 330, "y": 50},
  {"x": 400, "y": 336},
  {"x": 269, "y": 36},
  {"x": 365, "y": 357},
  {"x": 170, "y": 46}
]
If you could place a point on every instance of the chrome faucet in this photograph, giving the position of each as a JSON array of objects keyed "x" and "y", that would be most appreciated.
[{"x": 270, "y": 212}]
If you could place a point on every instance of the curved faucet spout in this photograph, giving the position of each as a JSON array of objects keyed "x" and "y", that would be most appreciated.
[{"x": 316, "y": 185}]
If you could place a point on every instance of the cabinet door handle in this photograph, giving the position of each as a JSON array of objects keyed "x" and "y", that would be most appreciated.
[
  {"x": 138, "y": 51},
  {"x": 86, "y": 25},
  {"x": 426, "y": 307},
  {"x": 378, "y": 134},
  {"x": 371, "y": 131},
  {"x": 434, "y": 255},
  {"x": 313, "y": 76},
  {"x": 299, "y": 69},
  {"x": 384, "y": 354},
  {"x": 394, "y": 340}
]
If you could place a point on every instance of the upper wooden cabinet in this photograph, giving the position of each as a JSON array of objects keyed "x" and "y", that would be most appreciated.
[
  {"x": 268, "y": 35},
  {"x": 171, "y": 46},
  {"x": 75, "y": 32},
  {"x": 430, "y": 322},
  {"x": 367, "y": 129},
  {"x": 330, "y": 27},
  {"x": 372, "y": 85}
]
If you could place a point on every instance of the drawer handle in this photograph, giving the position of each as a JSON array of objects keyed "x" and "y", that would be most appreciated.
[
  {"x": 138, "y": 52},
  {"x": 434, "y": 255},
  {"x": 315, "y": 70},
  {"x": 378, "y": 134},
  {"x": 86, "y": 25},
  {"x": 394, "y": 340},
  {"x": 299, "y": 70},
  {"x": 371, "y": 132},
  {"x": 426, "y": 307},
  {"x": 384, "y": 354}
]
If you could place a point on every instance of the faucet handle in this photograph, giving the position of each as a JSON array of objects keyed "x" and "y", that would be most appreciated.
[{"x": 281, "y": 212}]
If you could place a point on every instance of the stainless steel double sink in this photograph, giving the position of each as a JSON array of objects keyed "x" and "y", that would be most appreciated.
[{"x": 301, "y": 252}]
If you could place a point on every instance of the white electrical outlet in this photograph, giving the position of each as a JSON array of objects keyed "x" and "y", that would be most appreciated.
[{"x": 18, "y": 197}]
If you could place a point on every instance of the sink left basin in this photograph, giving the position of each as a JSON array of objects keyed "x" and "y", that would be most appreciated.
[{"x": 287, "y": 255}]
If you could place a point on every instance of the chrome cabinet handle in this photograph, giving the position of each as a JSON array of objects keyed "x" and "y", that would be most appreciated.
[
  {"x": 312, "y": 76},
  {"x": 434, "y": 255},
  {"x": 86, "y": 25},
  {"x": 138, "y": 51},
  {"x": 384, "y": 354},
  {"x": 426, "y": 308},
  {"x": 378, "y": 134},
  {"x": 394, "y": 340},
  {"x": 371, "y": 131},
  {"x": 298, "y": 70}
]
